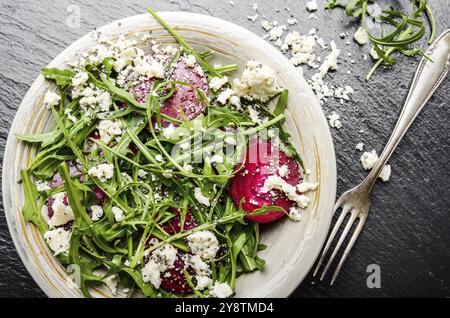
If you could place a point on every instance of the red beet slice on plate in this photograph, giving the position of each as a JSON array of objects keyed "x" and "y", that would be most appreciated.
[
  {"x": 263, "y": 160},
  {"x": 173, "y": 280},
  {"x": 184, "y": 99},
  {"x": 174, "y": 225}
]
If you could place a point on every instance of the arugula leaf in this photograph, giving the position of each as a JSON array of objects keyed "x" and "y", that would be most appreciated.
[
  {"x": 31, "y": 212},
  {"x": 61, "y": 77}
]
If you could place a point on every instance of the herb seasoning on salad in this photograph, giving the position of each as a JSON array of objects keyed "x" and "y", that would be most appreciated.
[{"x": 159, "y": 169}]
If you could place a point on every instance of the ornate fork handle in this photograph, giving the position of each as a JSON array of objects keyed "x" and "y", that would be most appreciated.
[{"x": 428, "y": 77}]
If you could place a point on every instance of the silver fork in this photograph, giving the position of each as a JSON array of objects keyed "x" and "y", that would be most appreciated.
[{"x": 356, "y": 202}]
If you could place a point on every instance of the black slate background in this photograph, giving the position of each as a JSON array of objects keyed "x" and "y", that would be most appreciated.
[{"x": 408, "y": 232}]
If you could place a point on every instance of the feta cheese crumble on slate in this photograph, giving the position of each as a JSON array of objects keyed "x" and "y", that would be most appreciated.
[{"x": 368, "y": 161}]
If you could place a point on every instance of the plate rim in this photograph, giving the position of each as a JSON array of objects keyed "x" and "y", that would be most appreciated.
[{"x": 326, "y": 134}]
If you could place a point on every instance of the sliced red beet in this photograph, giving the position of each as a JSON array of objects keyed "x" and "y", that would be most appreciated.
[
  {"x": 50, "y": 201},
  {"x": 184, "y": 99},
  {"x": 174, "y": 225},
  {"x": 173, "y": 280},
  {"x": 99, "y": 194},
  {"x": 263, "y": 160}
]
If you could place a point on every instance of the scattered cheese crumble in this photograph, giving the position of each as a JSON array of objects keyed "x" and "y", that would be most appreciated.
[
  {"x": 200, "y": 197},
  {"x": 203, "y": 244},
  {"x": 103, "y": 171}
]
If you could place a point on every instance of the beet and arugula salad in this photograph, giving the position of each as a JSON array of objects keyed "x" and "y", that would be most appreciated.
[{"x": 161, "y": 167}]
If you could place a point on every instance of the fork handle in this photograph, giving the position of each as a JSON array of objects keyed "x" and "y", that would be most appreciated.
[{"x": 428, "y": 77}]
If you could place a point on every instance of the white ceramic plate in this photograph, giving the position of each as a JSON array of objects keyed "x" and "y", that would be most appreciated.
[{"x": 292, "y": 246}]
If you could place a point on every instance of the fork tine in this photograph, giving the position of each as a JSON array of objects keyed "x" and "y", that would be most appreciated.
[
  {"x": 349, "y": 224},
  {"x": 344, "y": 212},
  {"x": 362, "y": 221}
]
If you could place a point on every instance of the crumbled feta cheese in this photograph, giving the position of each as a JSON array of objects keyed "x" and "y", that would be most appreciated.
[
  {"x": 334, "y": 120},
  {"x": 311, "y": 5},
  {"x": 252, "y": 18},
  {"x": 187, "y": 167},
  {"x": 330, "y": 62},
  {"x": 80, "y": 78},
  {"x": 149, "y": 69},
  {"x": 224, "y": 96},
  {"x": 109, "y": 129},
  {"x": 62, "y": 213},
  {"x": 295, "y": 213},
  {"x": 190, "y": 60},
  {"x": 97, "y": 212},
  {"x": 258, "y": 81},
  {"x": 307, "y": 186},
  {"x": 267, "y": 25},
  {"x": 200, "y": 267},
  {"x": 68, "y": 113},
  {"x": 344, "y": 92},
  {"x": 111, "y": 282},
  {"x": 302, "y": 48},
  {"x": 217, "y": 82},
  {"x": 161, "y": 260},
  {"x": 276, "y": 182},
  {"x": 230, "y": 141},
  {"x": 103, "y": 171},
  {"x": 200, "y": 197},
  {"x": 221, "y": 290},
  {"x": 385, "y": 173},
  {"x": 167, "y": 174},
  {"x": 359, "y": 146},
  {"x": 276, "y": 32},
  {"x": 118, "y": 213},
  {"x": 159, "y": 158},
  {"x": 283, "y": 171},
  {"x": 203, "y": 244},
  {"x": 203, "y": 282},
  {"x": 217, "y": 158},
  {"x": 169, "y": 131},
  {"x": 369, "y": 159},
  {"x": 292, "y": 21},
  {"x": 51, "y": 99},
  {"x": 361, "y": 36},
  {"x": 254, "y": 7},
  {"x": 142, "y": 174},
  {"x": 235, "y": 101},
  {"x": 42, "y": 186},
  {"x": 373, "y": 53},
  {"x": 58, "y": 240}
]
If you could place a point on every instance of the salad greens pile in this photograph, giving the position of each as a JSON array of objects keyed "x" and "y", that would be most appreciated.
[
  {"x": 407, "y": 29},
  {"x": 149, "y": 191}
]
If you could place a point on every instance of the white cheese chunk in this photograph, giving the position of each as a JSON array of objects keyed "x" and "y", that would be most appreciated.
[
  {"x": 109, "y": 129},
  {"x": 58, "y": 240},
  {"x": 51, "y": 99},
  {"x": 97, "y": 212},
  {"x": 221, "y": 290},
  {"x": 118, "y": 213},
  {"x": 61, "y": 213},
  {"x": 204, "y": 244},
  {"x": 190, "y": 60},
  {"x": 258, "y": 81},
  {"x": 361, "y": 36},
  {"x": 334, "y": 120},
  {"x": 103, "y": 171},
  {"x": 217, "y": 82},
  {"x": 311, "y": 5},
  {"x": 200, "y": 197}
]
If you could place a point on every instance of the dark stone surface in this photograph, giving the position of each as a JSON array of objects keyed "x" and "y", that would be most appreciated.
[{"x": 407, "y": 234}]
